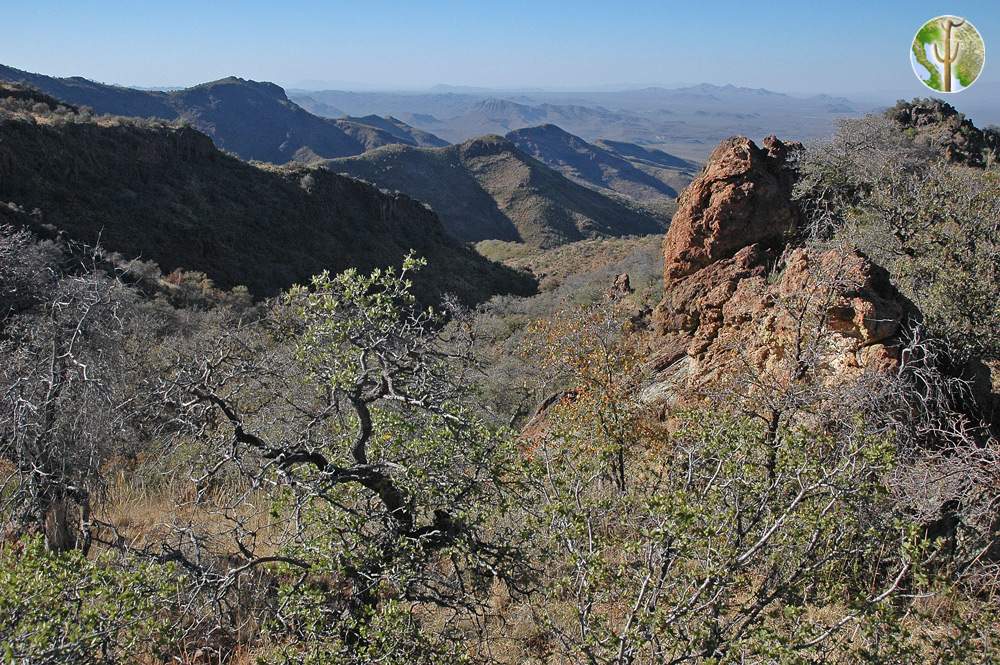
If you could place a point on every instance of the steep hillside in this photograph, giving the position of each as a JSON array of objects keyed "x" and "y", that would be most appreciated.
[
  {"x": 319, "y": 108},
  {"x": 602, "y": 167},
  {"x": 166, "y": 194},
  {"x": 257, "y": 121},
  {"x": 251, "y": 119},
  {"x": 638, "y": 154},
  {"x": 486, "y": 189},
  {"x": 671, "y": 169}
]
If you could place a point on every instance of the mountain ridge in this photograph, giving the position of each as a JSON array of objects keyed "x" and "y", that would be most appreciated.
[
  {"x": 254, "y": 119},
  {"x": 686, "y": 121},
  {"x": 603, "y": 167},
  {"x": 487, "y": 189}
]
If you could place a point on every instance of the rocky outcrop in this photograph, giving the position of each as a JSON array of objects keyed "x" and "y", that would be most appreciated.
[
  {"x": 937, "y": 124},
  {"x": 621, "y": 286},
  {"x": 738, "y": 296},
  {"x": 743, "y": 197}
]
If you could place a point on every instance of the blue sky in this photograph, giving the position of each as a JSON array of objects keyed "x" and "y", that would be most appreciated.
[{"x": 807, "y": 46}]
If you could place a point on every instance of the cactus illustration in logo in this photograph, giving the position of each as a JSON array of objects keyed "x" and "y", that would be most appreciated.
[{"x": 947, "y": 54}]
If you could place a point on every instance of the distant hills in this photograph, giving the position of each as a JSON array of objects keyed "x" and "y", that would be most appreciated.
[
  {"x": 687, "y": 121},
  {"x": 627, "y": 169},
  {"x": 254, "y": 120},
  {"x": 397, "y": 129},
  {"x": 167, "y": 194},
  {"x": 499, "y": 116},
  {"x": 488, "y": 189}
]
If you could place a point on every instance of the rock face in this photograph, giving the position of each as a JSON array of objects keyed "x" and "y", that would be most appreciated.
[
  {"x": 621, "y": 286},
  {"x": 738, "y": 297},
  {"x": 743, "y": 197}
]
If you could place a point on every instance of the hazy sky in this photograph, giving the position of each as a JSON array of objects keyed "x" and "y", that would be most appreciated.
[{"x": 805, "y": 46}]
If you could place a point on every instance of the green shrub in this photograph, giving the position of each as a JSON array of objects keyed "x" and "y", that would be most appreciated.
[{"x": 65, "y": 608}]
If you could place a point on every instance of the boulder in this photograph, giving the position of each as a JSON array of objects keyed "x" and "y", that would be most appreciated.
[{"x": 621, "y": 286}]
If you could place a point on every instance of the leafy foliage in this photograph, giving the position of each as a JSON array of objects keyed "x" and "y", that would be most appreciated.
[
  {"x": 709, "y": 536},
  {"x": 372, "y": 479},
  {"x": 331, "y": 476},
  {"x": 63, "y": 608}
]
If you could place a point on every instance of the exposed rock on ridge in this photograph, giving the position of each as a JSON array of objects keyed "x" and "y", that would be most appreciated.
[
  {"x": 738, "y": 296},
  {"x": 937, "y": 124},
  {"x": 743, "y": 197}
]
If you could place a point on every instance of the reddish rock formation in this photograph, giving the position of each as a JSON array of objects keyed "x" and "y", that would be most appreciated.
[
  {"x": 737, "y": 298},
  {"x": 742, "y": 197}
]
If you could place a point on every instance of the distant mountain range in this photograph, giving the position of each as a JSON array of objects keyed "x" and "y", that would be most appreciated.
[
  {"x": 686, "y": 121},
  {"x": 488, "y": 189},
  {"x": 167, "y": 194},
  {"x": 499, "y": 116},
  {"x": 254, "y": 120}
]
